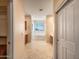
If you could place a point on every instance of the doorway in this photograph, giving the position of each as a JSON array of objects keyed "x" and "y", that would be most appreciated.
[{"x": 41, "y": 16}]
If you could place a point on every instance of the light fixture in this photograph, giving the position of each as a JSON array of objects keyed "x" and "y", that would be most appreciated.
[{"x": 40, "y": 9}]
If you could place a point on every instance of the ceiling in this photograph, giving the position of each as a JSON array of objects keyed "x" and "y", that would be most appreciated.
[{"x": 38, "y": 8}]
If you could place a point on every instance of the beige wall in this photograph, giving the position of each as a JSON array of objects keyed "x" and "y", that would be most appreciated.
[
  {"x": 19, "y": 29},
  {"x": 49, "y": 26}
]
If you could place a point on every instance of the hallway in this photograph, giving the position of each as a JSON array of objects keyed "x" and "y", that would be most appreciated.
[
  {"x": 38, "y": 50},
  {"x": 39, "y": 29}
]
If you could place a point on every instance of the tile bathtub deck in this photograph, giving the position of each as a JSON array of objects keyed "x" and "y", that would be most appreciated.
[{"x": 38, "y": 50}]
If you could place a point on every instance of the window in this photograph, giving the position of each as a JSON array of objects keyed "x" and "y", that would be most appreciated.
[{"x": 39, "y": 25}]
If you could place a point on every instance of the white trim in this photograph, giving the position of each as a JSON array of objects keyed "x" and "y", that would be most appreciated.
[
  {"x": 10, "y": 30},
  {"x": 55, "y": 38},
  {"x": 59, "y": 5}
]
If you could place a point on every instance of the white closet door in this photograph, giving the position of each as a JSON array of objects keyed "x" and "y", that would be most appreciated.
[{"x": 66, "y": 42}]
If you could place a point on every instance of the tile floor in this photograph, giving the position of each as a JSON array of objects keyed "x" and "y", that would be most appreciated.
[{"x": 38, "y": 50}]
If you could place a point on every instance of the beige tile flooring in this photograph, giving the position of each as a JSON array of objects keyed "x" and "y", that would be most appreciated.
[{"x": 38, "y": 50}]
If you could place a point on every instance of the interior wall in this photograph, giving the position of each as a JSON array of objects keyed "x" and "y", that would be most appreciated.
[
  {"x": 19, "y": 29},
  {"x": 49, "y": 22},
  {"x": 49, "y": 27}
]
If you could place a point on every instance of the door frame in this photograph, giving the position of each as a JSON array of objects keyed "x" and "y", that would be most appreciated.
[
  {"x": 55, "y": 37},
  {"x": 10, "y": 30}
]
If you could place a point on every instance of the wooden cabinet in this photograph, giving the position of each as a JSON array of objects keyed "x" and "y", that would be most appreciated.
[
  {"x": 3, "y": 46},
  {"x": 3, "y": 28},
  {"x": 26, "y": 39},
  {"x": 51, "y": 39},
  {"x": 28, "y": 29}
]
